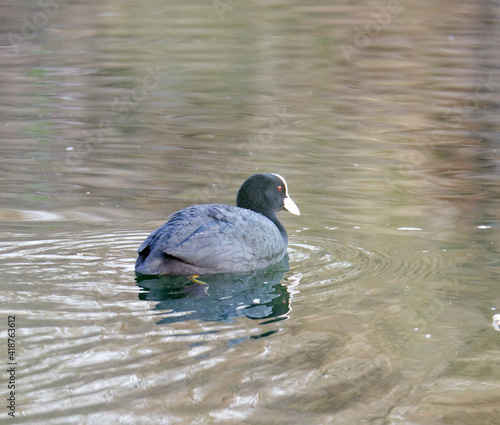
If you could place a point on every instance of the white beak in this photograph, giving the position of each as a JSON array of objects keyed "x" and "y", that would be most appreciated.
[{"x": 290, "y": 206}]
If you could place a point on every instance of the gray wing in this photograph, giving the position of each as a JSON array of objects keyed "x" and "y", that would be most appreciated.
[{"x": 218, "y": 237}]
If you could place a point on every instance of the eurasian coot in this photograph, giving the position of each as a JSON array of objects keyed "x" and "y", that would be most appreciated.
[{"x": 216, "y": 238}]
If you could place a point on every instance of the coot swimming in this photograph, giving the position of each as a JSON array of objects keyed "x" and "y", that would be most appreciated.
[{"x": 216, "y": 238}]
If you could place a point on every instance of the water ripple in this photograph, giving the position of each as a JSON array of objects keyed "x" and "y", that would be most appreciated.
[{"x": 402, "y": 255}]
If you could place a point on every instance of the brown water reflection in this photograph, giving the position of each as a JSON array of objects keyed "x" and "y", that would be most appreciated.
[{"x": 115, "y": 115}]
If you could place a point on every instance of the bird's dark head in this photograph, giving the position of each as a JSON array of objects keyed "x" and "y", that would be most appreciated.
[{"x": 267, "y": 194}]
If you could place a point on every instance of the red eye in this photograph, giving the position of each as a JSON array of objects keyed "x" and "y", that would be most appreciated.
[{"x": 279, "y": 188}]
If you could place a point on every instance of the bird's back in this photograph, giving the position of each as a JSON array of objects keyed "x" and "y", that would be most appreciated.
[{"x": 212, "y": 238}]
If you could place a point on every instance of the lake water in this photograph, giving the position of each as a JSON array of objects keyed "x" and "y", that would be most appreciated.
[{"x": 383, "y": 118}]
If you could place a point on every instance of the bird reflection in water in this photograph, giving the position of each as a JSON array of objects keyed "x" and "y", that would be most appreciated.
[{"x": 219, "y": 297}]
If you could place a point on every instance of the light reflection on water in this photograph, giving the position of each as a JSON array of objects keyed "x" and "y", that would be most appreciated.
[
  {"x": 115, "y": 116},
  {"x": 90, "y": 330}
]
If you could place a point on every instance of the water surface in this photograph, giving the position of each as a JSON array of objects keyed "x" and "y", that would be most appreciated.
[{"x": 383, "y": 118}]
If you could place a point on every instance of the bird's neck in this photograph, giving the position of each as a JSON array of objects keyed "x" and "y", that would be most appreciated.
[{"x": 280, "y": 227}]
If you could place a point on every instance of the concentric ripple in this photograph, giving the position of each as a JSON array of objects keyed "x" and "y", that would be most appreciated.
[
  {"x": 96, "y": 340},
  {"x": 64, "y": 254},
  {"x": 348, "y": 256},
  {"x": 92, "y": 336}
]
